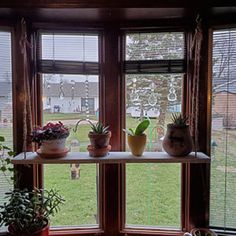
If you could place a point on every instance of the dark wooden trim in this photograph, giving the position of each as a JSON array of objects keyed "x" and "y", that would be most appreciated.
[
  {"x": 151, "y": 231},
  {"x": 112, "y": 4},
  {"x": 76, "y": 231},
  {"x": 111, "y": 115},
  {"x": 209, "y": 92}
]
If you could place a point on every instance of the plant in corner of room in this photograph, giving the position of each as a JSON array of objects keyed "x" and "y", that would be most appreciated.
[
  {"x": 28, "y": 212},
  {"x": 177, "y": 140},
  {"x": 51, "y": 137},
  {"x": 5, "y": 162},
  {"x": 202, "y": 232},
  {"x": 99, "y": 138},
  {"x": 137, "y": 138}
]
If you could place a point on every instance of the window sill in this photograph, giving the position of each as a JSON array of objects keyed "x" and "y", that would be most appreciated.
[{"x": 112, "y": 158}]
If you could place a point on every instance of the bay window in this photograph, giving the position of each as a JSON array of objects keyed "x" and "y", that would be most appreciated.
[{"x": 116, "y": 77}]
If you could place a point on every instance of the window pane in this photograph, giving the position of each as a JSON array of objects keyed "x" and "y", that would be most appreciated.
[
  {"x": 153, "y": 195},
  {"x": 153, "y": 190},
  {"x": 223, "y": 141},
  {"x": 68, "y": 98},
  {"x": 155, "y": 46},
  {"x": 6, "y": 116},
  {"x": 74, "y": 47}
]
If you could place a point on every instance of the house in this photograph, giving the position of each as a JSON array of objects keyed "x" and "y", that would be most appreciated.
[
  {"x": 224, "y": 104},
  {"x": 71, "y": 98}
]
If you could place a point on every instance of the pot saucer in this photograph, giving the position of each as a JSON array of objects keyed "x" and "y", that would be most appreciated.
[
  {"x": 54, "y": 154},
  {"x": 98, "y": 152}
]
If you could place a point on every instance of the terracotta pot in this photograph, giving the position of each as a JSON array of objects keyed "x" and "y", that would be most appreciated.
[
  {"x": 137, "y": 144},
  {"x": 177, "y": 141},
  {"x": 52, "y": 146},
  {"x": 42, "y": 232},
  {"x": 195, "y": 232},
  {"x": 98, "y": 152},
  {"x": 99, "y": 140}
]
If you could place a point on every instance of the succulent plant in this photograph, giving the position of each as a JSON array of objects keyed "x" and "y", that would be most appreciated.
[
  {"x": 142, "y": 126},
  {"x": 99, "y": 128},
  {"x": 179, "y": 120}
]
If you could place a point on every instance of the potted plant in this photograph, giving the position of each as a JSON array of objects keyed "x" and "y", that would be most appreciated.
[
  {"x": 99, "y": 139},
  {"x": 137, "y": 138},
  {"x": 5, "y": 162},
  {"x": 201, "y": 232},
  {"x": 51, "y": 138},
  {"x": 177, "y": 140},
  {"x": 28, "y": 212}
]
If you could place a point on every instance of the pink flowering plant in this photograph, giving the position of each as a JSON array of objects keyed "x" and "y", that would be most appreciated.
[{"x": 50, "y": 131}]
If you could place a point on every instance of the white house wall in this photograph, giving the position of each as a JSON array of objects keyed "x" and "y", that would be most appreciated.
[{"x": 67, "y": 105}]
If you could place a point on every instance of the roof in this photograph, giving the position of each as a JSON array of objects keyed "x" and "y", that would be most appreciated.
[{"x": 79, "y": 89}]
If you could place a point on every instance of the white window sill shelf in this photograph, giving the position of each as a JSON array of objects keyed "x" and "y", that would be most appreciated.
[{"x": 111, "y": 158}]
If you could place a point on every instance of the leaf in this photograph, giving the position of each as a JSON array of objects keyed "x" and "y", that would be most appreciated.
[
  {"x": 11, "y": 153},
  {"x": 3, "y": 168},
  {"x": 2, "y": 139},
  {"x": 129, "y": 131},
  {"x": 6, "y": 148},
  {"x": 143, "y": 125}
]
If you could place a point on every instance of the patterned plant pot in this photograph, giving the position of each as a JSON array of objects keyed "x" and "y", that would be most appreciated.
[{"x": 177, "y": 141}]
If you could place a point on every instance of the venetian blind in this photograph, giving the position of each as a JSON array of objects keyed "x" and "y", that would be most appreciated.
[
  {"x": 165, "y": 53},
  {"x": 5, "y": 102},
  {"x": 223, "y": 137},
  {"x": 68, "y": 53}
]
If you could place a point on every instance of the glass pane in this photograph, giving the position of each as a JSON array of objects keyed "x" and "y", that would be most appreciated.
[
  {"x": 156, "y": 201},
  {"x": 223, "y": 141},
  {"x": 6, "y": 114},
  {"x": 77, "y": 183},
  {"x": 153, "y": 195},
  {"x": 155, "y": 46},
  {"x": 68, "y": 98},
  {"x": 73, "y": 47}
]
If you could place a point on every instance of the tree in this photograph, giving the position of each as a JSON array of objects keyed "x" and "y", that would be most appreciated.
[{"x": 158, "y": 91}]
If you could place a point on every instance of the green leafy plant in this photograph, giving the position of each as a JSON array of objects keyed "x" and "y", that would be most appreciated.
[
  {"x": 26, "y": 211},
  {"x": 179, "y": 120},
  {"x": 97, "y": 128},
  {"x": 5, "y": 162},
  {"x": 141, "y": 127}
]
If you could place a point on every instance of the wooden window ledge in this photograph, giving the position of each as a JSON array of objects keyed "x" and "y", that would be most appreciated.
[{"x": 111, "y": 158}]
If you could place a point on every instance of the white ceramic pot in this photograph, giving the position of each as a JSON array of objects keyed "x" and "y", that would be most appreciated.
[{"x": 53, "y": 146}]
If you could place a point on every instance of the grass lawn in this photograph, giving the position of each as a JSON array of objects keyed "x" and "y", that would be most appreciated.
[{"x": 153, "y": 190}]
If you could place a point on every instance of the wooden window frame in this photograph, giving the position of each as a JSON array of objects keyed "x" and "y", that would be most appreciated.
[{"x": 196, "y": 205}]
